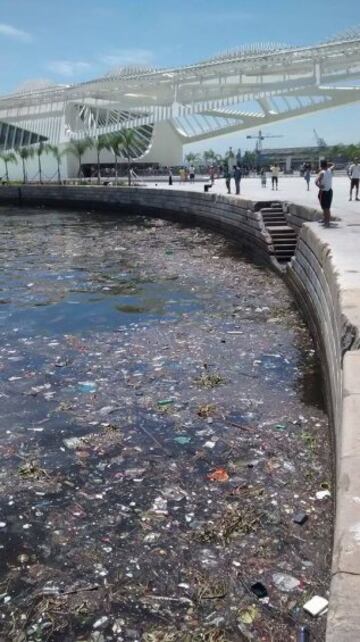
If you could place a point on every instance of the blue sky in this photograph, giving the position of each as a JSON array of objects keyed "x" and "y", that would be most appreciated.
[{"x": 68, "y": 41}]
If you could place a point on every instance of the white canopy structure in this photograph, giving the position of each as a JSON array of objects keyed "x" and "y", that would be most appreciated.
[{"x": 238, "y": 90}]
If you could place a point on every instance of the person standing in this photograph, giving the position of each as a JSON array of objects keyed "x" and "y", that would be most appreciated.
[
  {"x": 307, "y": 176},
  {"x": 324, "y": 183},
  {"x": 170, "y": 176},
  {"x": 227, "y": 176},
  {"x": 263, "y": 177},
  {"x": 237, "y": 177},
  {"x": 230, "y": 157},
  {"x": 212, "y": 174},
  {"x": 354, "y": 175},
  {"x": 192, "y": 174},
  {"x": 275, "y": 171}
]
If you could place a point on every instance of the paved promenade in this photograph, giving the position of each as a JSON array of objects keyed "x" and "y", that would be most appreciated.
[{"x": 290, "y": 189}]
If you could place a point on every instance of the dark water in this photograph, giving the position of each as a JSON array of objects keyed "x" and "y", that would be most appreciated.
[{"x": 161, "y": 422}]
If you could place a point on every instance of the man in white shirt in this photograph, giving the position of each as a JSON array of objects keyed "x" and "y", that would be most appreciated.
[
  {"x": 324, "y": 182},
  {"x": 354, "y": 175},
  {"x": 275, "y": 171}
]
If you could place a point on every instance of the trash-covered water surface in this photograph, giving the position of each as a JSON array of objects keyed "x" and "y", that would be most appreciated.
[{"x": 166, "y": 470}]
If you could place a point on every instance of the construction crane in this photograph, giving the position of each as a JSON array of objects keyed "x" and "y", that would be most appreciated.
[
  {"x": 319, "y": 141},
  {"x": 259, "y": 143}
]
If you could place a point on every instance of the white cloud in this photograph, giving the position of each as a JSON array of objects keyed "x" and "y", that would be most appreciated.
[
  {"x": 68, "y": 68},
  {"x": 125, "y": 57},
  {"x": 16, "y": 34}
]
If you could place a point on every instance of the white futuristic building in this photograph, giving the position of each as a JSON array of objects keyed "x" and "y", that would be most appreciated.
[{"x": 168, "y": 108}]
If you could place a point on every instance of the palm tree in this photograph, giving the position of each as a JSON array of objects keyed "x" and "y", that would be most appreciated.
[
  {"x": 115, "y": 144},
  {"x": 78, "y": 149},
  {"x": 55, "y": 151},
  {"x": 192, "y": 158},
  {"x": 25, "y": 153},
  {"x": 209, "y": 156},
  {"x": 127, "y": 138},
  {"x": 8, "y": 157},
  {"x": 41, "y": 148},
  {"x": 101, "y": 142}
]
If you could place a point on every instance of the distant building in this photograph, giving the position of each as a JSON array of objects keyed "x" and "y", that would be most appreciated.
[
  {"x": 292, "y": 158},
  {"x": 168, "y": 108}
]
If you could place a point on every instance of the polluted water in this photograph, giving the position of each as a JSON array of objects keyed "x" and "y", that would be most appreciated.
[{"x": 166, "y": 468}]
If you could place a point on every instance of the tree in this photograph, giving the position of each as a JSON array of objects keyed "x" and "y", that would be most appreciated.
[
  {"x": 209, "y": 156},
  {"x": 102, "y": 142},
  {"x": 8, "y": 157},
  {"x": 78, "y": 147},
  {"x": 115, "y": 144},
  {"x": 127, "y": 139},
  {"x": 55, "y": 151},
  {"x": 193, "y": 158},
  {"x": 249, "y": 159},
  {"x": 39, "y": 152},
  {"x": 25, "y": 153}
]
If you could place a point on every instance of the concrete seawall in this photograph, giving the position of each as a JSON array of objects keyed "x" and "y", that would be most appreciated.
[{"x": 325, "y": 277}]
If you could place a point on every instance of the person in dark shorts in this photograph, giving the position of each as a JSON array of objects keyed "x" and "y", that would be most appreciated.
[
  {"x": 275, "y": 171},
  {"x": 237, "y": 177},
  {"x": 354, "y": 175},
  {"x": 227, "y": 177},
  {"x": 324, "y": 183}
]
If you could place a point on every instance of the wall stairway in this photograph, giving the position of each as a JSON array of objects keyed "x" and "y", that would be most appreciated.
[{"x": 283, "y": 236}]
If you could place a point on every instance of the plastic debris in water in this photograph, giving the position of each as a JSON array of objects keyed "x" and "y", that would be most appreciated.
[
  {"x": 159, "y": 506},
  {"x": 323, "y": 494},
  {"x": 219, "y": 475},
  {"x": 100, "y": 622},
  {"x": 259, "y": 590},
  {"x": 303, "y": 634},
  {"x": 285, "y": 582},
  {"x": 182, "y": 440},
  {"x": 316, "y": 606},
  {"x": 87, "y": 386},
  {"x": 73, "y": 442},
  {"x": 247, "y": 616},
  {"x": 300, "y": 518}
]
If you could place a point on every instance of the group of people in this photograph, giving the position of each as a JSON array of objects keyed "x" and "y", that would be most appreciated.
[
  {"x": 235, "y": 173},
  {"x": 185, "y": 174},
  {"x": 324, "y": 180}
]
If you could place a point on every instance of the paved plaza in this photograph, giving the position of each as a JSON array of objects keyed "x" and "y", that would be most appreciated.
[{"x": 290, "y": 189}]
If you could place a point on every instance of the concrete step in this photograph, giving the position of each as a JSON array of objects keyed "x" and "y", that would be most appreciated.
[
  {"x": 280, "y": 228},
  {"x": 283, "y": 237},
  {"x": 284, "y": 243},
  {"x": 274, "y": 224},
  {"x": 276, "y": 217},
  {"x": 285, "y": 252}
]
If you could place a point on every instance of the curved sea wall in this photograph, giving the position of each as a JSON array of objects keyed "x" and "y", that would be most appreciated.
[
  {"x": 325, "y": 277},
  {"x": 239, "y": 219}
]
